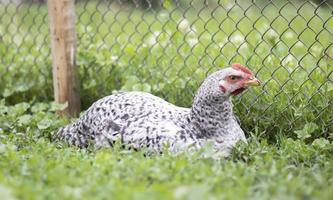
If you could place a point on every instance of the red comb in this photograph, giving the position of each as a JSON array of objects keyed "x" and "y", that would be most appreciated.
[{"x": 240, "y": 67}]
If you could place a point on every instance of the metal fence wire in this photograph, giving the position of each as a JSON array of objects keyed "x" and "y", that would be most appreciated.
[{"x": 167, "y": 47}]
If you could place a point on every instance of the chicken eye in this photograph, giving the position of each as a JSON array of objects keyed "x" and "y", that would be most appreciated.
[{"x": 233, "y": 77}]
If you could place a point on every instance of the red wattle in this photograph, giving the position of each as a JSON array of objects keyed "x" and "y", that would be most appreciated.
[{"x": 222, "y": 89}]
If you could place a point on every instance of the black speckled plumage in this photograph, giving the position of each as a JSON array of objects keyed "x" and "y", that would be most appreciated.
[{"x": 141, "y": 120}]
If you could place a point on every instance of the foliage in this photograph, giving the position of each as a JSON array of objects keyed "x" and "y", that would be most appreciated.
[
  {"x": 168, "y": 53},
  {"x": 171, "y": 56},
  {"x": 32, "y": 167}
]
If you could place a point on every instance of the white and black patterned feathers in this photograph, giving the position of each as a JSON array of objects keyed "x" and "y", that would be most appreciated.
[{"x": 142, "y": 121}]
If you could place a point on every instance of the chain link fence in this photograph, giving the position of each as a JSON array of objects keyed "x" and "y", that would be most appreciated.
[{"x": 168, "y": 47}]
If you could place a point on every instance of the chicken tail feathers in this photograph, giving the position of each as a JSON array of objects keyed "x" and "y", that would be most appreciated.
[{"x": 71, "y": 134}]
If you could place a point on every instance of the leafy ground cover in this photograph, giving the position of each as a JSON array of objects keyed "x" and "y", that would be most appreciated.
[
  {"x": 168, "y": 53},
  {"x": 32, "y": 167}
]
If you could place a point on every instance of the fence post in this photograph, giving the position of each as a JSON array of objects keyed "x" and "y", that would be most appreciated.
[{"x": 63, "y": 46}]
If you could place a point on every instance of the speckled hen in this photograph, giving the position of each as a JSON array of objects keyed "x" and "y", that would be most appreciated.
[{"x": 143, "y": 121}]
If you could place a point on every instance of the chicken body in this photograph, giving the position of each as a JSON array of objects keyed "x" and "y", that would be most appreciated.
[{"x": 140, "y": 120}]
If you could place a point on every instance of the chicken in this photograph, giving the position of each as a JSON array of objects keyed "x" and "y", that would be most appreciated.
[{"x": 141, "y": 120}]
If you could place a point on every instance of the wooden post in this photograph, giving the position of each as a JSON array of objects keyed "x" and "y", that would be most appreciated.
[{"x": 63, "y": 42}]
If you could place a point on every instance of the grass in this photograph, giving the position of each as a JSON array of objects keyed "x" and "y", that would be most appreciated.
[
  {"x": 168, "y": 53},
  {"x": 32, "y": 167}
]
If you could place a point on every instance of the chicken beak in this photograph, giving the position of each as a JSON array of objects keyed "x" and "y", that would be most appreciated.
[{"x": 252, "y": 82}]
